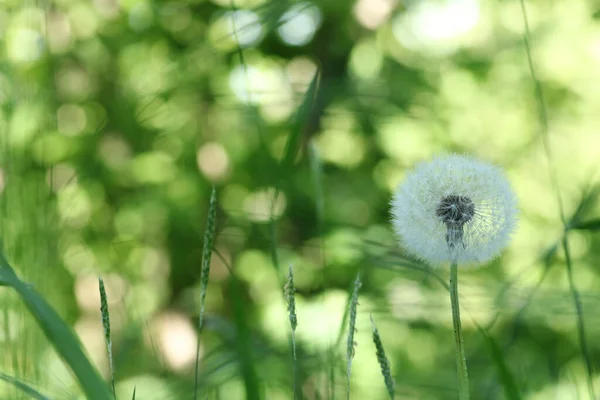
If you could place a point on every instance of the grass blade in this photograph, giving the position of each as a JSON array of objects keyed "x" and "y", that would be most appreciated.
[
  {"x": 133, "y": 397},
  {"x": 292, "y": 146},
  {"x": 384, "y": 363},
  {"x": 106, "y": 327},
  {"x": 209, "y": 237},
  {"x": 23, "y": 387},
  {"x": 243, "y": 342},
  {"x": 350, "y": 343},
  {"x": 293, "y": 142},
  {"x": 58, "y": 333},
  {"x": 579, "y": 311},
  {"x": 592, "y": 225},
  {"x": 316, "y": 169}
]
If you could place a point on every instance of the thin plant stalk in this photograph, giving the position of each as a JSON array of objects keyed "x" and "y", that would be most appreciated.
[
  {"x": 580, "y": 325},
  {"x": 290, "y": 294},
  {"x": 209, "y": 237},
  {"x": 106, "y": 327},
  {"x": 383, "y": 361},
  {"x": 554, "y": 181},
  {"x": 461, "y": 360},
  {"x": 351, "y": 330}
]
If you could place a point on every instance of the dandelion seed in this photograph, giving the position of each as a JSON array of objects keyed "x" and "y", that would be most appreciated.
[{"x": 454, "y": 208}]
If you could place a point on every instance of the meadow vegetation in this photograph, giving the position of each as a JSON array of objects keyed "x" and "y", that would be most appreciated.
[{"x": 195, "y": 198}]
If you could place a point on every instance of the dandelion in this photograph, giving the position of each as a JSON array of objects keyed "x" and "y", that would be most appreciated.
[{"x": 455, "y": 209}]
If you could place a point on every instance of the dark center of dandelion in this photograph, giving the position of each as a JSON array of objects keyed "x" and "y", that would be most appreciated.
[{"x": 455, "y": 211}]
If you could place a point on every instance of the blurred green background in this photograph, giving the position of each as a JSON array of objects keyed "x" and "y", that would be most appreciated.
[{"x": 118, "y": 116}]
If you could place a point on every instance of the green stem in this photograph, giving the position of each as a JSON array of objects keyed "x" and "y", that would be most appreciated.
[
  {"x": 580, "y": 325},
  {"x": 461, "y": 361}
]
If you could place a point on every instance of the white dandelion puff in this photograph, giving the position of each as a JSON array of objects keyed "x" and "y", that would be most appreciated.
[{"x": 454, "y": 208}]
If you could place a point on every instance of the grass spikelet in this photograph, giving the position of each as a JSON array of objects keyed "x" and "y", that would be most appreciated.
[
  {"x": 352, "y": 329},
  {"x": 290, "y": 296},
  {"x": 384, "y": 363},
  {"x": 209, "y": 237},
  {"x": 106, "y": 327}
]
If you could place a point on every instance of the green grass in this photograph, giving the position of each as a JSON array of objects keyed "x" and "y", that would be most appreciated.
[
  {"x": 106, "y": 326},
  {"x": 384, "y": 363},
  {"x": 58, "y": 333},
  {"x": 350, "y": 343},
  {"x": 543, "y": 115},
  {"x": 207, "y": 249},
  {"x": 23, "y": 386},
  {"x": 290, "y": 295},
  {"x": 517, "y": 353}
]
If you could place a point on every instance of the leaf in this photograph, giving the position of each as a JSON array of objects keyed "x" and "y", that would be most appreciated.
[
  {"x": 292, "y": 144},
  {"x": 247, "y": 361},
  {"x": 591, "y": 225},
  {"x": 24, "y": 387}
]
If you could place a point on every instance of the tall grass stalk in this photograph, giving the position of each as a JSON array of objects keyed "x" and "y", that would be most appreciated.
[
  {"x": 554, "y": 179},
  {"x": 579, "y": 312},
  {"x": 383, "y": 361},
  {"x": 350, "y": 343},
  {"x": 209, "y": 237},
  {"x": 290, "y": 296},
  {"x": 461, "y": 361},
  {"x": 106, "y": 328},
  {"x": 243, "y": 340}
]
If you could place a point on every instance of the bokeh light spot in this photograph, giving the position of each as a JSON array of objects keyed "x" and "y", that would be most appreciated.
[
  {"x": 71, "y": 119},
  {"x": 245, "y": 26},
  {"x": 176, "y": 340},
  {"x": 366, "y": 60},
  {"x": 436, "y": 26},
  {"x": 74, "y": 206},
  {"x": 213, "y": 161},
  {"x": 299, "y": 24},
  {"x": 341, "y": 147},
  {"x": 153, "y": 167},
  {"x": 259, "y": 205},
  {"x": 141, "y": 16},
  {"x": 372, "y": 13},
  {"x": 25, "y": 45},
  {"x": 114, "y": 151}
]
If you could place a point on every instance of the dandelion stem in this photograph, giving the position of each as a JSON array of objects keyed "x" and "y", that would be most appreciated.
[{"x": 461, "y": 361}]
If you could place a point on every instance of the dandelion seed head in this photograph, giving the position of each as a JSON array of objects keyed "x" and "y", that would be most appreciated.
[{"x": 454, "y": 208}]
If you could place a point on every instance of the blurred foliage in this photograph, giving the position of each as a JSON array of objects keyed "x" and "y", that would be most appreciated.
[{"x": 118, "y": 116}]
